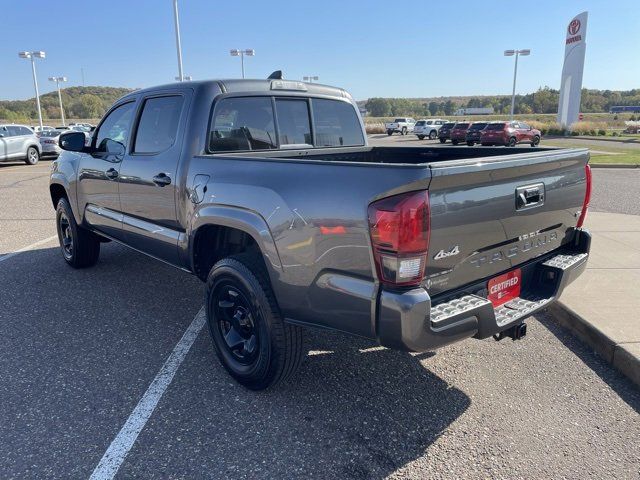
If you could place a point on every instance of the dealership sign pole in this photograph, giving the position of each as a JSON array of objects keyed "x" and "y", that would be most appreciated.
[{"x": 571, "y": 84}]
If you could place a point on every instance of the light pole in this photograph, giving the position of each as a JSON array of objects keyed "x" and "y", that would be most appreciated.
[
  {"x": 178, "y": 46},
  {"x": 185, "y": 78},
  {"x": 311, "y": 79},
  {"x": 58, "y": 80},
  {"x": 250, "y": 52},
  {"x": 517, "y": 53},
  {"x": 33, "y": 56}
]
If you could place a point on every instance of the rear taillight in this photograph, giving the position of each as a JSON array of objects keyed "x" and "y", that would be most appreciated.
[
  {"x": 587, "y": 196},
  {"x": 399, "y": 227}
]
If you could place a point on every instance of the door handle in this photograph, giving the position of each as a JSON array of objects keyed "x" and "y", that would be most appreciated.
[
  {"x": 162, "y": 179},
  {"x": 112, "y": 173}
]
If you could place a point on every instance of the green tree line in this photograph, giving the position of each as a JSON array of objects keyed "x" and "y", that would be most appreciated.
[
  {"x": 545, "y": 100},
  {"x": 78, "y": 102}
]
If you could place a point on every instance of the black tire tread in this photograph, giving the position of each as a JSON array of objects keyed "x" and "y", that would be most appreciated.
[
  {"x": 87, "y": 247},
  {"x": 287, "y": 337}
]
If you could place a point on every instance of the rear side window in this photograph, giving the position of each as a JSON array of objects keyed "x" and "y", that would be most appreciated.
[
  {"x": 294, "y": 127},
  {"x": 158, "y": 124},
  {"x": 24, "y": 131},
  {"x": 495, "y": 126},
  {"x": 420, "y": 123},
  {"x": 478, "y": 126},
  {"x": 336, "y": 124},
  {"x": 245, "y": 123}
]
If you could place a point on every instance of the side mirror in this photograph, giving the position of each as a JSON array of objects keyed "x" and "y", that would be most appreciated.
[
  {"x": 115, "y": 148},
  {"x": 72, "y": 141}
]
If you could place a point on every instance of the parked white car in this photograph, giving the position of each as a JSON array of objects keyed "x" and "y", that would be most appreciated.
[
  {"x": 402, "y": 125},
  {"x": 19, "y": 142},
  {"x": 428, "y": 128},
  {"x": 38, "y": 129}
]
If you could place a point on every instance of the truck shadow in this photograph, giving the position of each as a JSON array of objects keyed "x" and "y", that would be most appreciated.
[
  {"x": 354, "y": 410},
  {"x": 380, "y": 408}
]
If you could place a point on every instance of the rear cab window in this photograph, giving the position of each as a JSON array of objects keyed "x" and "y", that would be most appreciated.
[
  {"x": 158, "y": 125},
  {"x": 280, "y": 122}
]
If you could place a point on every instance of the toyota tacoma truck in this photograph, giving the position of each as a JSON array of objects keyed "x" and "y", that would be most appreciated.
[
  {"x": 267, "y": 191},
  {"x": 403, "y": 126}
]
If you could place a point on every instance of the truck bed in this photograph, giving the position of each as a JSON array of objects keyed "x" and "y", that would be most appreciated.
[{"x": 473, "y": 211}]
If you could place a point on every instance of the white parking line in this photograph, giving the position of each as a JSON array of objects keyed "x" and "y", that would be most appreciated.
[
  {"x": 120, "y": 446},
  {"x": 27, "y": 248}
]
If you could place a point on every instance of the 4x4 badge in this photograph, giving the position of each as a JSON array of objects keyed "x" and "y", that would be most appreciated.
[{"x": 444, "y": 254}]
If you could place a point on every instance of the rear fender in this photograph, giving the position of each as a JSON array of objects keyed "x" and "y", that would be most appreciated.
[{"x": 249, "y": 222}]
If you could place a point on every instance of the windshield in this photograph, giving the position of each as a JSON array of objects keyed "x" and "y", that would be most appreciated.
[
  {"x": 50, "y": 133},
  {"x": 398, "y": 120},
  {"x": 495, "y": 126},
  {"x": 478, "y": 126},
  {"x": 462, "y": 125},
  {"x": 448, "y": 125}
]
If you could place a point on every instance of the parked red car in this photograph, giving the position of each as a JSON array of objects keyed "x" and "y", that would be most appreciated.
[
  {"x": 459, "y": 132},
  {"x": 509, "y": 134}
]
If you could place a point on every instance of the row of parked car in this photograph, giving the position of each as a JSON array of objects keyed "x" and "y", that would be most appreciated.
[
  {"x": 507, "y": 133},
  {"x": 21, "y": 142}
]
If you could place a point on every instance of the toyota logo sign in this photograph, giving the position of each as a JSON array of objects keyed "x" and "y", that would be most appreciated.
[{"x": 574, "y": 26}]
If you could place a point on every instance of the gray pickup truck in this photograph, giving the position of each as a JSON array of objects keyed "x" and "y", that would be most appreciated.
[{"x": 268, "y": 192}]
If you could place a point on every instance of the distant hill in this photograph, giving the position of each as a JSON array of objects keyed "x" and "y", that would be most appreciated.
[{"x": 78, "y": 102}]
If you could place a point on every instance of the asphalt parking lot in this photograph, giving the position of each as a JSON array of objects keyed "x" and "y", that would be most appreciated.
[{"x": 81, "y": 348}]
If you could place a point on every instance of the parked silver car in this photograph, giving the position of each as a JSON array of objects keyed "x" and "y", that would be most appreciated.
[
  {"x": 19, "y": 142},
  {"x": 49, "y": 142}
]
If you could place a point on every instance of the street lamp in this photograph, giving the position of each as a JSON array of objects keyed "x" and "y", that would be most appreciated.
[
  {"x": 311, "y": 79},
  {"x": 250, "y": 52},
  {"x": 185, "y": 78},
  {"x": 58, "y": 80},
  {"x": 33, "y": 56},
  {"x": 178, "y": 46},
  {"x": 517, "y": 53}
]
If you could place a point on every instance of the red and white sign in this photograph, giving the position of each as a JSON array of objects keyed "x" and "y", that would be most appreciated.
[
  {"x": 574, "y": 26},
  {"x": 504, "y": 288}
]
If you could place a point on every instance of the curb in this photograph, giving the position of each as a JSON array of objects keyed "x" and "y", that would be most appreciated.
[
  {"x": 599, "y": 138},
  {"x": 623, "y": 360},
  {"x": 614, "y": 165}
]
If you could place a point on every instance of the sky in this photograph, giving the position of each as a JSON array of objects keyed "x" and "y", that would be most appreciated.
[{"x": 420, "y": 48}]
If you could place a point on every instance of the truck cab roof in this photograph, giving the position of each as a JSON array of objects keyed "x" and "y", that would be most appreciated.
[{"x": 276, "y": 87}]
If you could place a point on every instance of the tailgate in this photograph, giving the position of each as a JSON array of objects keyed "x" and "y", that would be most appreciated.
[{"x": 491, "y": 214}]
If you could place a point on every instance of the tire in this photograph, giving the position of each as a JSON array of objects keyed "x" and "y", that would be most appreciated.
[
  {"x": 420, "y": 137},
  {"x": 455, "y": 142},
  {"x": 443, "y": 140},
  {"x": 536, "y": 141},
  {"x": 33, "y": 156},
  {"x": 80, "y": 248},
  {"x": 264, "y": 350},
  {"x": 433, "y": 135},
  {"x": 512, "y": 142},
  {"x": 470, "y": 144},
  {"x": 389, "y": 132}
]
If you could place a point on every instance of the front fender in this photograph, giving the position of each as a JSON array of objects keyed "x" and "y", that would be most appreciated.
[{"x": 63, "y": 173}]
